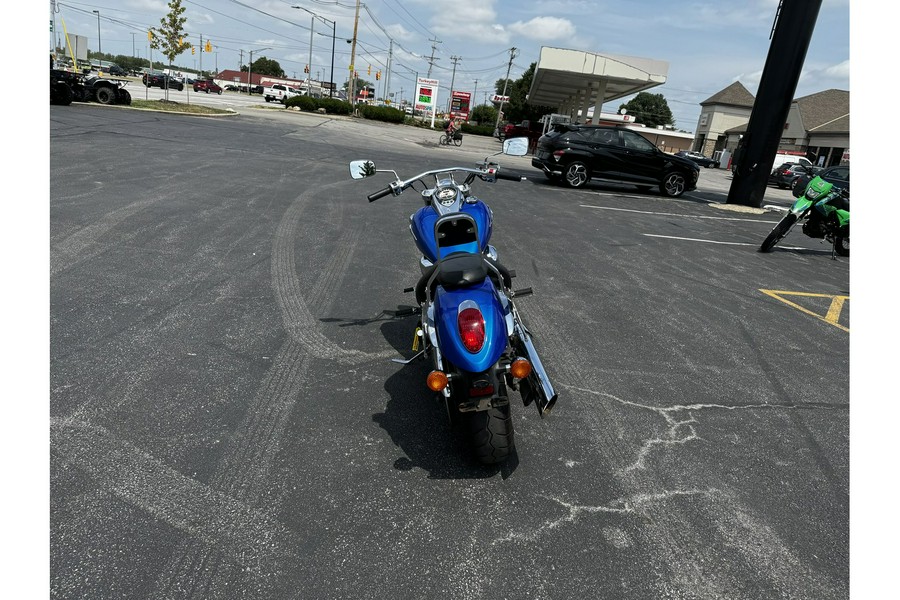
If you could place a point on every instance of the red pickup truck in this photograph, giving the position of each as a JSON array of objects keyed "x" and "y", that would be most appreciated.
[{"x": 530, "y": 129}]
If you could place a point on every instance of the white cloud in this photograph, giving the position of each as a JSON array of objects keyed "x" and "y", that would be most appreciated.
[
  {"x": 399, "y": 32},
  {"x": 839, "y": 71},
  {"x": 544, "y": 29}
]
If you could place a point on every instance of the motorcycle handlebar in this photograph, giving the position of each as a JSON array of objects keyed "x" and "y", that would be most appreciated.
[
  {"x": 379, "y": 194},
  {"x": 502, "y": 175}
]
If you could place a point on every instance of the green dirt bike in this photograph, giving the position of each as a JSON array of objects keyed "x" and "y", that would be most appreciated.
[{"x": 825, "y": 210}]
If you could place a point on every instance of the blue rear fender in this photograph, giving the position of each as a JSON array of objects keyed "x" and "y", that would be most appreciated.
[{"x": 446, "y": 313}]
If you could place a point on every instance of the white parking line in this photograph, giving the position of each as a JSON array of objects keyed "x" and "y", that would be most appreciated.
[
  {"x": 665, "y": 214},
  {"x": 672, "y": 237}
]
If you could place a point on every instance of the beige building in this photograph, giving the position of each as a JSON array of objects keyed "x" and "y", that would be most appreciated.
[
  {"x": 720, "y": 113},
  {"x": 817, "y": 126}
]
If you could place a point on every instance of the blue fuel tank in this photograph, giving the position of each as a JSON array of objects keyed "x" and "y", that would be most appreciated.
[{"x": 422, "y": 223}]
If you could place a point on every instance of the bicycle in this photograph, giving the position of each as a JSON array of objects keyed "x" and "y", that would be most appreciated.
[{"x": 447, "y": 139}]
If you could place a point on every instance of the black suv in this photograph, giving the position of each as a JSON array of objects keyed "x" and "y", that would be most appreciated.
[
  {"x": 161, "y": 80},
  {"x": 575, "y": 154}
]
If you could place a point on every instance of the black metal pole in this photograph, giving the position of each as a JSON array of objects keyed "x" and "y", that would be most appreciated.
[
  {"x": 331, "y": 90},
  {"x": 796, "y": 20}
]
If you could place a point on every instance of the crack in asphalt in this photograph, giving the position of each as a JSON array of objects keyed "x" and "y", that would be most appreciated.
[
  {"x": 627, "y": 505},
  {"x": 681, "y": 432}
]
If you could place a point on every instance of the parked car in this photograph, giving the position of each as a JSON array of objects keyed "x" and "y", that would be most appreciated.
[
  {"x": 786, "y": 174},
  {"x": 838, "y": 175},
  {"x": 161, "y": 80},
  {"x": 207, "y": 85},
  {"x": 575, "y": 154},
  {"x": 700, "y": 159}
]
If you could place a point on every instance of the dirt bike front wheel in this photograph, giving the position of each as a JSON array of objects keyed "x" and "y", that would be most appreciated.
[{"x": 778, "y": 232}]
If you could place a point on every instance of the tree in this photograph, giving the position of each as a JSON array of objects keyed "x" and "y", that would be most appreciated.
[
  {"x": 265, "y": 66},
  {"x": 168, "y": 38},
  {"x": 484, "y": 114},
  {"x": 361, "y": 84},
  {"x": 649, "y": 109},
  {"x": 517, "y": 110}
]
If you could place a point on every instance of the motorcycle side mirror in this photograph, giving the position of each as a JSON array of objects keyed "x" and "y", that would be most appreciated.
[
  {"x": 360, "y": 169},
  {"x": 516, "y": 146}
]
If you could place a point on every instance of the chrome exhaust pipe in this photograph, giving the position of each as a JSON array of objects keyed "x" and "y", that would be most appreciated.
[{"x": 536, "y": 387}]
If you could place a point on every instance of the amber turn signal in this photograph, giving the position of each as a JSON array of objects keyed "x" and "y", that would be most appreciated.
[
  {"x": 520, "y": 368},
  {"x": 437, "y": 380}
]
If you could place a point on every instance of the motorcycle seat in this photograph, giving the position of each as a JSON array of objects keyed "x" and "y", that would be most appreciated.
[{"x": 459, "y": 270}]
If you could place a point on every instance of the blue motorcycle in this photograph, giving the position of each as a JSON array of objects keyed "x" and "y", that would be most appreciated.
[{"x": 468, "y": 323}]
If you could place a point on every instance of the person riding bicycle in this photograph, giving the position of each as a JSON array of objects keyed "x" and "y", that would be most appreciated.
[{"x": 451, "y": 128}]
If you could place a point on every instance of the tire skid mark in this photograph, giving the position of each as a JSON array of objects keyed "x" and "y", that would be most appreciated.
[
  {"x": 332, "y": 276},
  {"x": 299, "y": 321},
  {"x": 86, "y": 242},
  {"x": 242, "y": 474},
  {"x": 244, "y": 469},
  {"x": 220, "y": 521}
]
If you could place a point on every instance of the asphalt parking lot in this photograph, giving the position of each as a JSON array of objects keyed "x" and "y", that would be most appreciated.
[{"x": 225, "y": 420}]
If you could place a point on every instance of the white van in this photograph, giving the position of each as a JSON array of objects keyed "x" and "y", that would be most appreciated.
[{"x": 780, "y": 159}]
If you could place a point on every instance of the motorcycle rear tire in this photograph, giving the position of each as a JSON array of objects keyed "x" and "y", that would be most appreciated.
[
  {"x": 490, "y": 434},
  {"x": 842, "y": 246},
  {"x": 778, "y": 232}
]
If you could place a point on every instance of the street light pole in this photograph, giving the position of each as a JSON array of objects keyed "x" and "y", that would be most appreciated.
[
  {"x": 250, "y": 71},
  {"x": 99, "y": 49},
  {"x": 333, "y": 29}
]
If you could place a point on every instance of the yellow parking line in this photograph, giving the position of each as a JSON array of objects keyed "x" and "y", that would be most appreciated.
[{"x": 834, "y": 311}]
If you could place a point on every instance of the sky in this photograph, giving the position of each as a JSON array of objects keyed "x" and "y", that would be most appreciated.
[{"x": 708, "y": 44}]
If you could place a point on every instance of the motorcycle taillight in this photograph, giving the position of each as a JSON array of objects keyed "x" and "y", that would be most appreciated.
[{"x": 471, "y": 329}]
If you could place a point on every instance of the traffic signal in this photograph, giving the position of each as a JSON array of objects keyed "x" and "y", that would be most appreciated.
[
  {"x": 208, "y": 46},
  {"x": 377, "y": 75},
  {"x": 193, "y": 50},
  {"x": 369, "y": 72},
  {"x": 149, "y": 35},
  {"x": 355, "y": 75},
  {"x": 306, "y": 69}
]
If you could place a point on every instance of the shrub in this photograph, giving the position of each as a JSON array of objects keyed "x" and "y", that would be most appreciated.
[
  {"x": 487, "y": 130},
  {"x": 381, "y": 113},
  {"x": 335, "y": 106},
  {"x": 331, "y": 105}
]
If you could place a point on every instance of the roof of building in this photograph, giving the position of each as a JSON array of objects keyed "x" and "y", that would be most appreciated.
[
  {"x": 826, "y": 112},
  {"x": 734, "y": 95}
]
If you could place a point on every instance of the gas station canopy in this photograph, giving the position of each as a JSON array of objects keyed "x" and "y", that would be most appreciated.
[{"x": 572, "y": 80}]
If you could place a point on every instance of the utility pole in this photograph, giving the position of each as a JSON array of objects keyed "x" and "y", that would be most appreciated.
[
  {"x": 201, "y": 54},
  {"x": 387, "y": 74},
  {"x": 475, "y": 93},
  {"x": 432, "y": 59},
  {"x": 455, "y": 60},
  {"x": 791, "y": 34},
  {"x": 352, "y": 87},
  {"x": 312, "y": 24},
  {"x": 132, "y": 43},
  {"x": 512, "y": 55}
]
